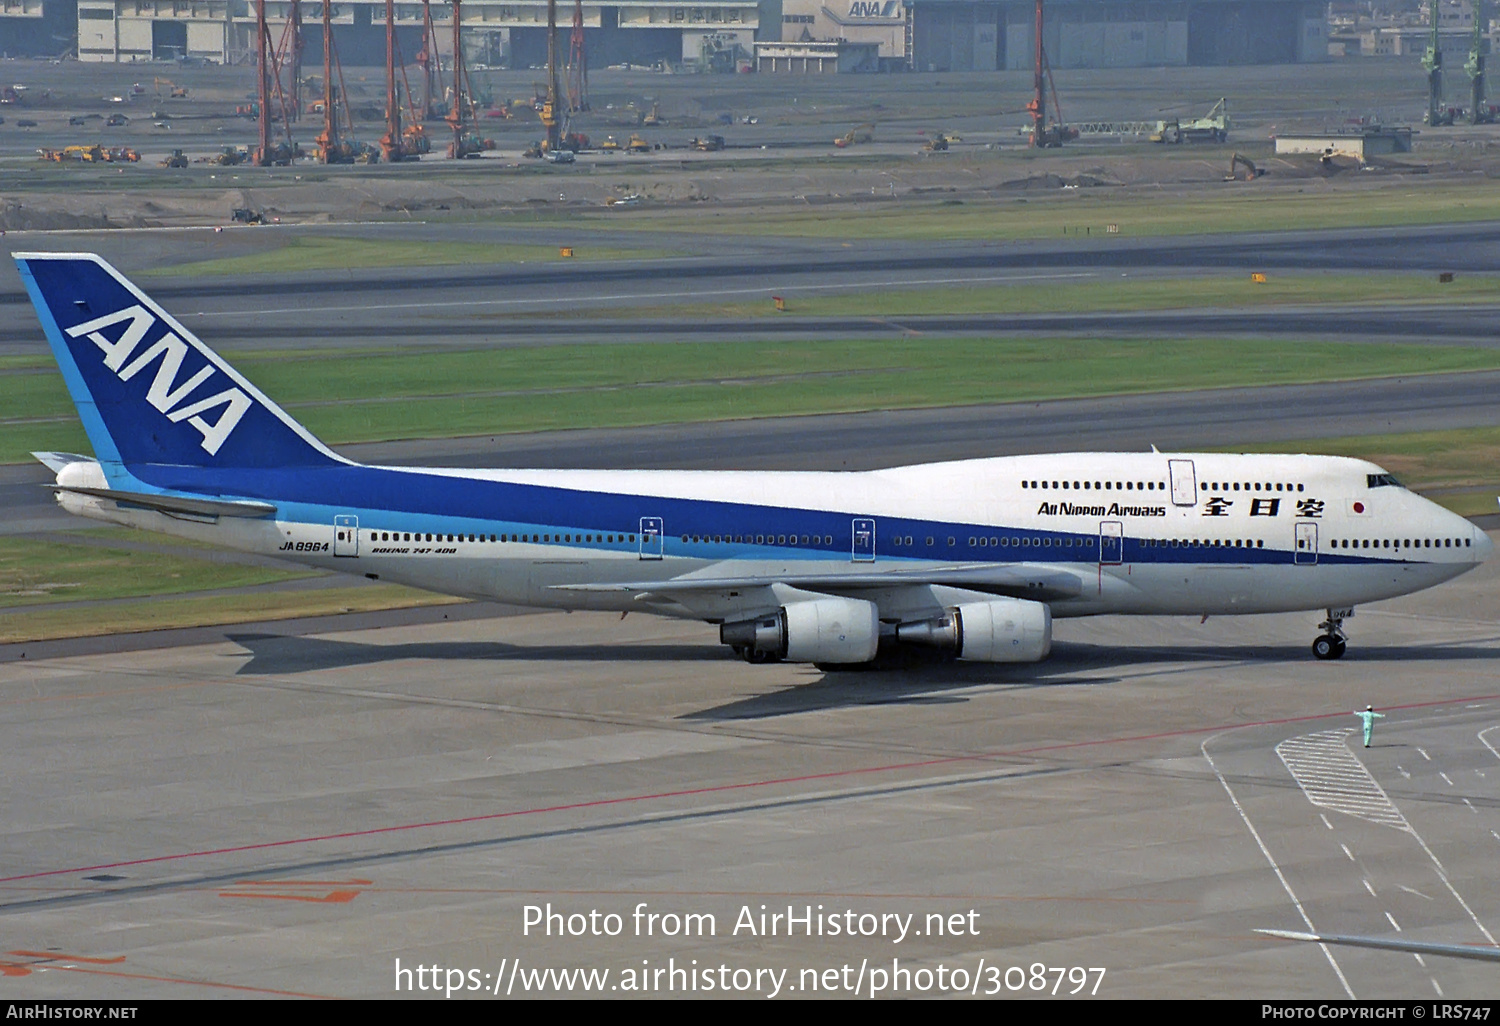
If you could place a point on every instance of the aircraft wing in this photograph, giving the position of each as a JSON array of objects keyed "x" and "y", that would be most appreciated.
[
  {"x": 176, "y": 504},
  {"x": 1475, "y": 951},
  {"x": 1000, "y": 578}
]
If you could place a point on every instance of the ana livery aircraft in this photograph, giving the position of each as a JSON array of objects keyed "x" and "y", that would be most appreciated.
[{"x": 975, "y": 557}]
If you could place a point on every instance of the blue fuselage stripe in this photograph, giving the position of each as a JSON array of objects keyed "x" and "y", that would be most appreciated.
[{"x": 440, "y": 504}]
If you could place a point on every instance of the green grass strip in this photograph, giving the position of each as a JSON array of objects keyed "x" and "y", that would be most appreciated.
[
  {"x": 1261, "y": 206},
  {"x": 1459, "y": 469},
  {"x": 164, "y": 613},
  {"x": 35, "y": 572},
  {"x": 434, "y": 395},
  {"x": 335, "y": 253}
]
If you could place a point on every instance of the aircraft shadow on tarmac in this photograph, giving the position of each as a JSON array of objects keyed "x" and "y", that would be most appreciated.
[
  {"x": 905, "y": 677},
  {"x": 921, "y": 678},
  {"x": 285, "y": 653}
]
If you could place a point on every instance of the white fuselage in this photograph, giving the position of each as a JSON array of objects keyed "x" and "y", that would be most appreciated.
[{"x": 1085, "y": 533}]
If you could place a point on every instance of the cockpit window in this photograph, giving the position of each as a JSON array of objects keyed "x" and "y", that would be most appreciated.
[{"x": 1379, "y": 480}]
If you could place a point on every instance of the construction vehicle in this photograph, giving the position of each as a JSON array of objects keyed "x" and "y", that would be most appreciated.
[
  {"x": 468, "y": 144},
  {"x": 122, "y": 155},
  {"x": 609, "y": 145},
  {"x": 70, "y": 154},
  {"x": 12, "y": 94},
  {"x": 230, "y": 156},
  {"x": 1250, "y": 173},
  {"x": 173, "y": 90},
  {"x": 177, "y": 159},
  {"x": 654, "y": 116},
  {"x": 1212, "y": 127},
  {"x": 1480, "y": 113},
  {"x": 937, "y": 144},
  {"x": 708, "y": 143},
  {"x": 860, "y": 134},
  {"x": 551, "y": 122},
  {"x": 245, "y": 215},
  {"x": 637, "y": 145}
]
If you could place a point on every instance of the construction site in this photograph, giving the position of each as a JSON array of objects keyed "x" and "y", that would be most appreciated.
[{"x": 426, "y": 130}]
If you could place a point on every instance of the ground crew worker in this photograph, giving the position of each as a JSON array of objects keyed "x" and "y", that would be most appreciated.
[{"x": 1369, "y": 716}]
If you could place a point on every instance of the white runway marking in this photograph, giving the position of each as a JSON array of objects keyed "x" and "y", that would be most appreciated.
[
  {"x": 1296, "y": 903},
  {"x": 1486, "y": 741},
  {"x": 1332, "y": 778}
]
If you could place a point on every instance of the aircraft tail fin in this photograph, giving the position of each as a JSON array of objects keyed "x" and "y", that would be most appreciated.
[{"x": 148, "y": 391}]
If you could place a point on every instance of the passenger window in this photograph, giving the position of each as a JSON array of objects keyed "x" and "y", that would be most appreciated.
[{"x": 929, "y": 540}]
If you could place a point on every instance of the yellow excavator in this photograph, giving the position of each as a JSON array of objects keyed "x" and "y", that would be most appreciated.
[{"x": 860, "y": 134}]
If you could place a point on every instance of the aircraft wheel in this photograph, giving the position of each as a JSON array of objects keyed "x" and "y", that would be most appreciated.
[
  {"x": 1326, "y": 646},
  {"x": 1339, "y": 650}
]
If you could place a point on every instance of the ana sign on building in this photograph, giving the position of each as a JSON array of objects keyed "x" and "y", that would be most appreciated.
[{"x": 858, "y": 21}]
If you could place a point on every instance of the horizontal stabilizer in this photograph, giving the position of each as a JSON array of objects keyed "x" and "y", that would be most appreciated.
[
  {"x": 177, "y": 503},
  {"x": 55, "y": 461}
]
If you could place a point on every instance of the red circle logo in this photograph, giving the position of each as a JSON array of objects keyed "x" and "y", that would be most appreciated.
[{"x": 1359, "y": 507}]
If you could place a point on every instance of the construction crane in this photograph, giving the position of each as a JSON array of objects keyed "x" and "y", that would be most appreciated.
[
  {"x": 578, "y": 65},
  {"x": 550, "y": 121},
  {"x": 1432, "y": 63},
  {"x": 331, "y": 148},
  {"x": 1042, "y": 134},
  {"x": 290, "y": 52},
  {"x": 1479, "y": 112},
  {"x": 393, "y": 143},
  {"x": 466, "y": 141}
]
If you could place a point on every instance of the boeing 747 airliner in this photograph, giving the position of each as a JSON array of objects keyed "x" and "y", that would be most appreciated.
[{"x": 973, "y": 557}]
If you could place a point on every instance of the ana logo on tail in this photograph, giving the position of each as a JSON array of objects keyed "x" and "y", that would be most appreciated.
[{"x": 165, "y": 393}]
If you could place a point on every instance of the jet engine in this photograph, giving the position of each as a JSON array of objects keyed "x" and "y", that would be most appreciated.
[
  {"x": 1002, "y": 630},
  {"x": 825, "y": 630}
]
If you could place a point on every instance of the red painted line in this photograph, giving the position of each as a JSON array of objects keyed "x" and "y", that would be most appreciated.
[
  {"x": 176, "y": 979},
  {"x": 719, "y": 789}
]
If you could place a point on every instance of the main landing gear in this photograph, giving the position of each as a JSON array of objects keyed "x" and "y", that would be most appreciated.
[{"x": 1331, "y": 645}]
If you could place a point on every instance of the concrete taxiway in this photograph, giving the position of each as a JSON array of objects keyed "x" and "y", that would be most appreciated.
[{"x": 266, "y": 812}]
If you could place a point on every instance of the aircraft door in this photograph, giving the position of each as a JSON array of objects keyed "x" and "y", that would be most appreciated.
[
  {"x": 862, "y": 545},
  {"x": 1184, "y": 482},
  {"x": 651, "y": 537},
  {"x": 346, "y": 535},
  {"x": 1307, "y": 544},
  {"x": 1111, "y": 542}
]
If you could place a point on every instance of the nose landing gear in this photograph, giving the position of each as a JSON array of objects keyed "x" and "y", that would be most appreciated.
[{"x": 1332, "y": 643}]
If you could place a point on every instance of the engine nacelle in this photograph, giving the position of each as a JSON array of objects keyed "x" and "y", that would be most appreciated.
[
  {"x": 1002, "y": 630},
  {"x": 826, "y": 630}
]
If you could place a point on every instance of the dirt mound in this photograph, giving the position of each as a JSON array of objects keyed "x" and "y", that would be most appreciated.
[{"x": 1055, "y": 181}]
